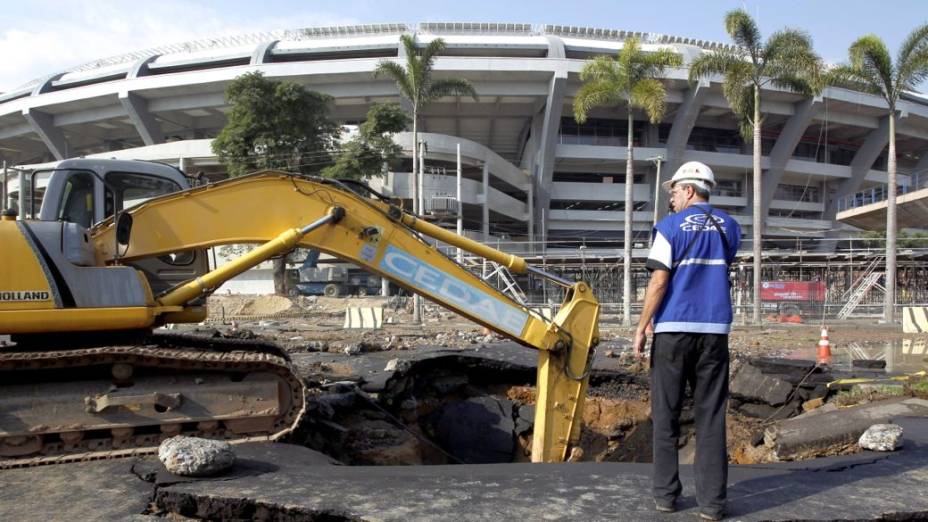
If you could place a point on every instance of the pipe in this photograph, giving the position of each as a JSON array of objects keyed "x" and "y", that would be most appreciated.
[
  {"x": 513, "y": 263},
  {"x": 210, "y": 280}
]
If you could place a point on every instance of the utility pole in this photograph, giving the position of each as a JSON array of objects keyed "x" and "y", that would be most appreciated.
[
  {"x": 419, "y": 203},
  {"x": 657, "y": 184},
  {"x": 460, "y": 227},
  {"x": 6, "y": 180}
]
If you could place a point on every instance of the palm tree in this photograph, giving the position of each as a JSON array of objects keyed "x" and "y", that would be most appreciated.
[
  {"x": 415, "y": 83},
  {"x": 785, "y": 61},
  {"x": 871, "y": 69},
  {"x": 629, "y": 79}
]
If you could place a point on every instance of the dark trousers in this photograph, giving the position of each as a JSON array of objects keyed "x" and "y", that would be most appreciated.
[{"x": 702, "y": 361}]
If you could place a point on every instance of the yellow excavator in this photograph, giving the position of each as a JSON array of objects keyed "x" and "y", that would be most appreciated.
[{"x": 117, "y": 249}]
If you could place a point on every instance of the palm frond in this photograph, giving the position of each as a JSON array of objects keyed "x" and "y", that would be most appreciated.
[
  {"x": 738, "y": 89},
  {"x": 792, "y": 82},
  {"x": 852, "y": 78},
  {"x": 601, "y": 68},
  {"x": 913, "y": 72},
  {"x": 628, "y": 57},
  {"x": 742, "y": 29},
  {"x": 397, "y": 73},
  {"x": 594, "y": 94},
  {"x": 431, "y": 51},
  {"x": 719, "y": 62},
  {"x": 661, "y": 59},
  {"x": 448, "y": 87},
  {"x": 649, "y": 94},
  {"x": 911, "y": 68},
  {"x": 869, "y": 54},
  {"x": 915, "y": 41}
]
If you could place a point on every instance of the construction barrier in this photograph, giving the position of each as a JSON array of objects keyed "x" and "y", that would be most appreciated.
[
  {"x": 915, "y": 319},
  {"x": 363, "y": 317}
]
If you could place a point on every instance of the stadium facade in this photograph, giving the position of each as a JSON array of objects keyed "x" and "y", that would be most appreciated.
[{"x": 530, "y": 172}]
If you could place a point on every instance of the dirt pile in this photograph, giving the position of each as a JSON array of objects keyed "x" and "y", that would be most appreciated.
[{"x": 245, "y": 305}]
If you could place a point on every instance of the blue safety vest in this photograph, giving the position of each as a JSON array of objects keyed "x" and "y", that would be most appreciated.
[{"x": 689, "y": 245}]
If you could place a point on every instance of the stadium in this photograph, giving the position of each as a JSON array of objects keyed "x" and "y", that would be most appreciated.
[{"x": 531, "y": 175}]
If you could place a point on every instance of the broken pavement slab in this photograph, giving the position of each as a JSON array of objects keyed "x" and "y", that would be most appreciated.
[
  {"x": 284, "y": 481},
  {"x": 101, "y": 490},
  {"x": 867, "y": 484},
  {"x": 816, "y": 434}
]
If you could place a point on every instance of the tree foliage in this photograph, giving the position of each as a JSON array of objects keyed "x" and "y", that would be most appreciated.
[
  {"x": 275, "y": 124},
  {"x": 870, "y": 67},
  {"x": 630, "y": 77},
  {"x": 877, "y": 239},
  {"x": 414, "y": 80},
  {"x": 786, "y": 60},
  {"x": 364, "y": 155}
]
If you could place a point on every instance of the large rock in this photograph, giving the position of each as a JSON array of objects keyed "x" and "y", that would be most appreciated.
[
  {"x": 195, "y": 457},
  {"x": 882, "y": 437},
  {"x": 751, "y": 385},
  {"x": 479, "y": 430}
]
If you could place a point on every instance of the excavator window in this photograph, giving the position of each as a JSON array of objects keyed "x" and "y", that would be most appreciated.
[
  {"x": 77, "y": 202},
  {"x": 132, "y": 189}
]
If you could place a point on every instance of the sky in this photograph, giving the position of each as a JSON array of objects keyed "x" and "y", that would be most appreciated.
[{"x": 41, "y": 37}]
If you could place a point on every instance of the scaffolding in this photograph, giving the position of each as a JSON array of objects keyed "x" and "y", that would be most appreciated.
[{"x": 851, "y": 273}]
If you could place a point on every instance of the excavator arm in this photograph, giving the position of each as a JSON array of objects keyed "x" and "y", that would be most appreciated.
[{"x": 282, "y": 211}]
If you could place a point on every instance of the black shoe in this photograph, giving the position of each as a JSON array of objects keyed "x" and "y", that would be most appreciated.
[
  {"x": 665, "y": 506},
  {"x": 706, "y": 514}
]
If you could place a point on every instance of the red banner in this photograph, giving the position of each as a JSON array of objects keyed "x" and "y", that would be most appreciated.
[{"x": 792, "y": 291}]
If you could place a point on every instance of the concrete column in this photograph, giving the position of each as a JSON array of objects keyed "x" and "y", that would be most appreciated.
[
  {"x": 136, "y": 108},
  {"x": 683, "y": 123},
  {"x": 863, "y": 160},
  {"x": 530, "y": 200},
  {"x": 43, "y": 124},
  {"x": 546, "y": 142},
  {"x": 261, "y": 51},
  {"x": 786, "y": 144},
  {"x": 486, "y": 202}
]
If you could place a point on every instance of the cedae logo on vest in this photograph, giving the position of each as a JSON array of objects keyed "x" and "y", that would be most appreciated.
[
  {"x": 417, "y": 273},
  {"x": 25, "y": 295},
  {"x": 700, "y": 222}
]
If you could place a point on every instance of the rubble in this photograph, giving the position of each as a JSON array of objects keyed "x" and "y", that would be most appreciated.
[
  {"x": 195, "y": 457},
  {"x": 881, "y": 437},
  {"x": 834, "y": 432}
]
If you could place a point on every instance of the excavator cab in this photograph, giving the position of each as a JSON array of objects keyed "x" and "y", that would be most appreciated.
[{"x": 83, "y": 192}]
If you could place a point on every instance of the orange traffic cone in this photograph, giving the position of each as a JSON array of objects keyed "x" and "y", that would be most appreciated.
[{"x": 824, "y": 348}]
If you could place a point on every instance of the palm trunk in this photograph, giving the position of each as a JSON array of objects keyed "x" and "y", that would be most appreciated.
[
  {"x": 629, "y": 206},
  {"x": 416, "y": 299},
  {"x": 889, "y": 304},
  {"x": 757, "y": 222},
  {"x": 280, "y": 276}
]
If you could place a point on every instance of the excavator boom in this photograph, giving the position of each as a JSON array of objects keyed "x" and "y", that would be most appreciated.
[{"x": 281, "y": 211}]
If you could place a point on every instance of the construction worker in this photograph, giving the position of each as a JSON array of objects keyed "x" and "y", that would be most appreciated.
[{"x": 689, "y": 302}]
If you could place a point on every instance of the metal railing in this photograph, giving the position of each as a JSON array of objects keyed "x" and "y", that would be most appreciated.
[{"x": 917, "y": 181}]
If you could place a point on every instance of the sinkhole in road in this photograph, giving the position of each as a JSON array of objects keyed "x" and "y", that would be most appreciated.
[{"x": 459, "y": 409}]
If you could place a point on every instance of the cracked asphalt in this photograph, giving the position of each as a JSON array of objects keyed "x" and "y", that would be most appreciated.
[{"x": 278, "y": 481}]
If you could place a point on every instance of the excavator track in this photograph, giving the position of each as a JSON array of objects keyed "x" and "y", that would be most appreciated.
[{"x": 128, "y": 424}]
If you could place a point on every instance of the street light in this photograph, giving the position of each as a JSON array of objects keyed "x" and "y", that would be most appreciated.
[{"x": 657, "y": 182}]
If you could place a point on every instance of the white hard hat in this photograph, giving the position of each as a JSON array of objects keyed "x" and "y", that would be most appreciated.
[{"x": 694, "y": 171}]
